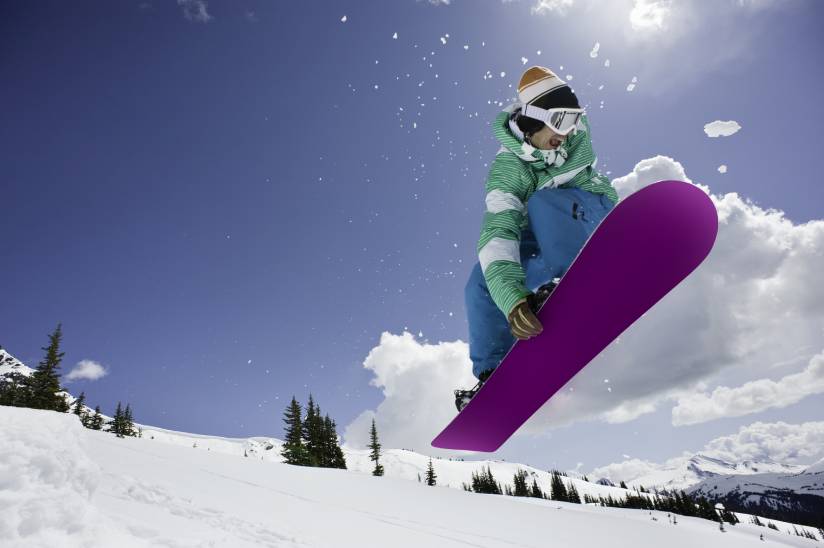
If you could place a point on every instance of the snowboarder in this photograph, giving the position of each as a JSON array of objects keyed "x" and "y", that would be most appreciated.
[{"x": 544, "y": 198}]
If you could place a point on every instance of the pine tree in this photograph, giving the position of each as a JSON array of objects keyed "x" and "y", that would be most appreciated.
[
  {"x": 78, "y": 404},
  {"x": 484, "y": 482},
  {"x": 96, "y": 421},
  {"x": 128, "y": 422},
  {"x": 572, "y": 494},
  {"x": 294, "y": 451},
  {"x": 431, "y": 478},
  {"x": 336, "y": 456},
  {"x": 45, "y": 381},
  {"x": 535, "y": 491},
  {"x": 559, "y": 491},
  {"x": 521, "y": 489},
  {"x": 375, "y": 446},
  {"x": 313, "y": 433},
  {"x": 116, "y": 424},
  {"x": 16, "y": 391},
  {"x": 624, "y": 485}
]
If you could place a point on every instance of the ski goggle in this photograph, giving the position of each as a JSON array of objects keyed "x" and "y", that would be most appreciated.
[{"x": 559, "y": 120}]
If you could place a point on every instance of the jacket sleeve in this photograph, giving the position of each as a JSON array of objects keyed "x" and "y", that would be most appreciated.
[
  {"x": 499, "y": 244},
  {"x": 579, "y": 169}
]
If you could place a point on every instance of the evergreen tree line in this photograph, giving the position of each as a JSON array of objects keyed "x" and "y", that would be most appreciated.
[
  {"x": 677, "y": 503},
  {"x": 803, "y": 533},
  {"x": 800, "y": 508},
  {"x": 311, "y": 440},
  {"x": 42, "y": 390}
]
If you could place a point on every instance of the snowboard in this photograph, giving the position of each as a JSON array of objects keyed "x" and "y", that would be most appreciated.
[{"x": 643, "y": 248}]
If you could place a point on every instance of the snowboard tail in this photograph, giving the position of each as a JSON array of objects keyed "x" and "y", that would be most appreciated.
[{"x": 642, "y": 249}]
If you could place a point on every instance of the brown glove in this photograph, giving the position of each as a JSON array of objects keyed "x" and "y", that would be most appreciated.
[{"x": 522, "y": 321}]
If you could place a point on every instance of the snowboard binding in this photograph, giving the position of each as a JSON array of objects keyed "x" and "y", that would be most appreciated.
[{"x": 535, "y": 301}]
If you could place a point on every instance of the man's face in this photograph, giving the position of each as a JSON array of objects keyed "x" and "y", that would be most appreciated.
[{"x": 546, "y": 139}]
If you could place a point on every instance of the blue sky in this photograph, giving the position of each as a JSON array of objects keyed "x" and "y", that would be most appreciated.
[{"x": 226, "y": 204}]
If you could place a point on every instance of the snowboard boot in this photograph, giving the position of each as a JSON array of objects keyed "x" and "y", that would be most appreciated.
[
  {"x": 462, "y": 397},
  {"x": 537, "y": 299},
  {"x": 535, "y": 302}
]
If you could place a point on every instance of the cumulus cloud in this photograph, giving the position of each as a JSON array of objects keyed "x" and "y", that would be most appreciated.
[
  {"x": 87, "y": 370},
  {"x": 753, "y": 309},
  {"x": 751, "y": 397},
  {"x": 799, "y": 444},
  {"x": 417, "y": 380},
  {"x": 719, "y": 128}
]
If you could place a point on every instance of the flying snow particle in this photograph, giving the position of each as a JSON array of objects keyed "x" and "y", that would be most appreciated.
[
  {"x": 524, "y": 60},
  {"x": 395, "y": 36},
  {"x": 466, "y": 46},
  {"x": 569, "y": 77},
  {"x": 600, "y": 87},
  {"x": 343, "y": 19},
  {"x": 250, "y": 361},
  {"x": 503, "y": 75},
  {"x": 538, "y": 52},
  {"x": 443, "y": 40},
  {"x": 594, "y": 52},
  {"x": 722, "y": 169},
  {"x": 606, "y": 63},
  {"x": 631, "y": 85}
]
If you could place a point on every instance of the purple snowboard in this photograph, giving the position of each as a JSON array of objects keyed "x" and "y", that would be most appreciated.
[{"x": 643, "y": 248}]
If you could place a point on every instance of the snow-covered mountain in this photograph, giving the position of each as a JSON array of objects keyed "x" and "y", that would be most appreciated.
[
  {"x": 687, "y": 472},
  {"x": 800, "y": 495},
  {"x": 69, "y": 486},
  {"x": 10, "y": 365}
]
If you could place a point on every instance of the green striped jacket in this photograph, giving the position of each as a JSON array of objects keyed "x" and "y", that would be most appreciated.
[{"x": 517, "y": 171}]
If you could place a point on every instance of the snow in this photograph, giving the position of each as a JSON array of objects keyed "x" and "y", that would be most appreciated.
[
  {"x": 816, "y": 468},
  {"x": 10, "y": 364},
  {"x": 63, "y": 485},
  {"x": 722, "y": 168}
]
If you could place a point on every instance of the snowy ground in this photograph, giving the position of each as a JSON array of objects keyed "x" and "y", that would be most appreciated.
[{"x": 62, "y": 485}]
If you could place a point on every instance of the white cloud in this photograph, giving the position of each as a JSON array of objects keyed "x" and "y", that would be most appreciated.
[
  {"x": 778, "y": 442},
  {"x": 195, "y": 10},
  {"x": 557, "y": 7},
  {"x": 650, "y": 14},
  {"x": 721, "y": 129},
  {"x": 798, "y": 444},
  {"x": 87, "y": 370},
  {"x": 417, "y": 380},
  {"x": 751, "y": 397},
  {"x": 753, "y": 308}
]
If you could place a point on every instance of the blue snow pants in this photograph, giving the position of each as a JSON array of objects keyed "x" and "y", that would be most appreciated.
[{"x": 559, "y": 223}]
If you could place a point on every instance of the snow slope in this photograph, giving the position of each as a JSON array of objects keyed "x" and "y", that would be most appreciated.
[{"x": 65, "y": 486}]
